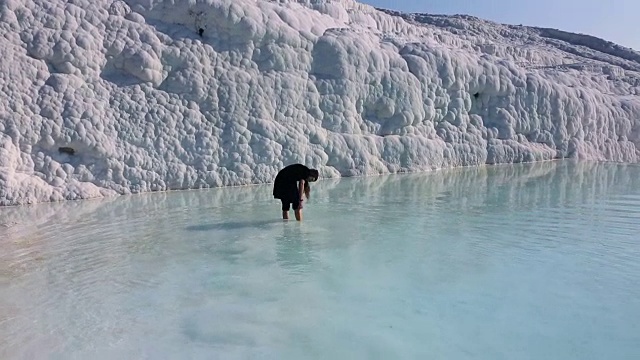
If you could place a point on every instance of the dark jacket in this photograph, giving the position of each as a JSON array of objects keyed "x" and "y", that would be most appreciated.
[{"x": 286, "y": 184}]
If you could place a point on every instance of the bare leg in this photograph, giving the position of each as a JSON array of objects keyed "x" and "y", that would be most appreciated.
[
  {"x": 298, "y": 214},
  {"x": 285, "y": 215}
]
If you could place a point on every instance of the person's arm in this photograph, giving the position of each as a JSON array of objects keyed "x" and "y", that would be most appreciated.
[
  {"x": 307, "y": 190},
  {"x": 301, "y": 189}
]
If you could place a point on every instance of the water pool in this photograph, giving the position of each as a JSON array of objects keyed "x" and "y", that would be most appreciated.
[{"x": 535, "y": 261}]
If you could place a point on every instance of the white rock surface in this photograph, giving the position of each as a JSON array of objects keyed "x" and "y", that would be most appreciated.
[{"x": 147, "y": 103}]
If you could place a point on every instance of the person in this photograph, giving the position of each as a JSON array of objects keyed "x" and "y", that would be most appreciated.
[{"x": 290, "y": 183}]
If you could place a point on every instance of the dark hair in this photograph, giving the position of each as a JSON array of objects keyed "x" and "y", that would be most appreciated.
[{"x": 314, "y": 174}]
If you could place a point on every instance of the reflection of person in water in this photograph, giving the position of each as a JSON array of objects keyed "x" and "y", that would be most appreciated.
[
  {"x": 289, "y": 185},
  {"x": 294, "y": 250}
]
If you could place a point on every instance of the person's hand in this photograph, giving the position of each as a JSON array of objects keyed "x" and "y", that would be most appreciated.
[{"x": 301, "y": 203}]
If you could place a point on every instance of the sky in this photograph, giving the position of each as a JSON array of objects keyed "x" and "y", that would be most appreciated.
[{"x": 612, "y": 20}]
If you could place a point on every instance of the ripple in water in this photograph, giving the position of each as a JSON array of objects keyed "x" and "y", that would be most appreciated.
[{"x": 530, "y": 261}]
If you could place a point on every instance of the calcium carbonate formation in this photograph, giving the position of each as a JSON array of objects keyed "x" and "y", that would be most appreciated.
[{"x": 102, "y": 98}]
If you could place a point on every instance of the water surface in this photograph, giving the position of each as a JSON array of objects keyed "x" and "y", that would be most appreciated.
[{"x": 509, "y": 262}]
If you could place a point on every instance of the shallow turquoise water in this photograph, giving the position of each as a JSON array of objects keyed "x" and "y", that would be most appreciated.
[{"x": 510, "y": 262}]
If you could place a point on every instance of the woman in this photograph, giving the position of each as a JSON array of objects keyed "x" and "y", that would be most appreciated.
[{"x": 289, "y": 185}]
